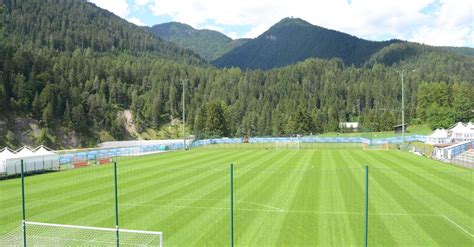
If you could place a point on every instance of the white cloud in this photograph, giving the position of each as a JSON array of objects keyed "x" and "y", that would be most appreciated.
[
  {"x": 453, "y": 21},
  {"x": 232, "y": 35},
  {"x": 136, "y": 21},
  {"x": 142, "y": 2},
  {"x": 213, "y": 27},
  {"x": 118, "y": 7}
]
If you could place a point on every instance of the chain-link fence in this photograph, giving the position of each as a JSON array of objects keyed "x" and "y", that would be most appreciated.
[{"x": 271, "y": 200}]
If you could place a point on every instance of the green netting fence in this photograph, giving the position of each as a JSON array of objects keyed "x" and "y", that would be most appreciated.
[{"x": 214, "y": 204}]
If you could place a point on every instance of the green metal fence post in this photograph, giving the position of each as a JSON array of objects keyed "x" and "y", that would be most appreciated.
[
  {"x": 231, "y": 204},
  {"x": 116, "y": 205},
  {"x": 23, "y": 222},
  {"x": 366, "y": 216}
]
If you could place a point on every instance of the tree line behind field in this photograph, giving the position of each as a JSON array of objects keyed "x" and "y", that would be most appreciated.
[
  {"x": 83, "y": 91},
  {"x": 68, "y": 80}
]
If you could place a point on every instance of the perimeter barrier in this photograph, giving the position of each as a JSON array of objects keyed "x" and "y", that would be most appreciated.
[{"x": 263, "y": 201}]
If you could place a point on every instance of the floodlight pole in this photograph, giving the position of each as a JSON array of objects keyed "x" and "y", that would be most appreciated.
[
  {"x": 184, "y": 114},
  {"x": 231, "y": 204},
  {"x": 403, "y": 105},
  {"x": 403, "y": 112},
  {"x": 23, "y": 222},
  {"x": 366, "y": 213},
  {"x": 116, "y": 206}
]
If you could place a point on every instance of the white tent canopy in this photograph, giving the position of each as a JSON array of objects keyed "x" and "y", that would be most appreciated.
[
  {"x": 6, "y": 153},
  {"x": 23, "y": 153},
  {"x": 40, "y": 159},
  {"x": 439, "y": 136},
  {"x": 459, "y": 128},
  {"x": 439, "y": 133},
  {"x": 41, "y": 150}
]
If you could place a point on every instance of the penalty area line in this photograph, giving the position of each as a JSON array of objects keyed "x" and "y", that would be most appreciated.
[{"x": 457, "y": 225}]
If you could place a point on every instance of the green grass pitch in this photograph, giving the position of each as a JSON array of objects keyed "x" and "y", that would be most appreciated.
[{"x": 281, "y": 198}]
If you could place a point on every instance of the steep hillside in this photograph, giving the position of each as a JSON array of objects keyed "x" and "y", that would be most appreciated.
[
  {"x": 66, "y": 25},
  {"x": 207, "y": 43},
  {"x": 76, "y": 93},
  {"x": 461, "y": 50},
  {"x": 292, "y": 40}
]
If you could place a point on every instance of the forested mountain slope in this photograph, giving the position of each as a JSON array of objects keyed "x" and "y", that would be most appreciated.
[
  {"x": 84, "y": 90},
  {"x": 207, "y": 43},
  {"x": 66, "y": 25},
  {"x": 292, "y": 40}
]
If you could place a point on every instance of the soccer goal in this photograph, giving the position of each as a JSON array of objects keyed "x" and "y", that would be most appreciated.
[
  {"x": 287, "y": 145},
  {"x": 375, "y": 146},
  {"x": 46, "y": 234}
]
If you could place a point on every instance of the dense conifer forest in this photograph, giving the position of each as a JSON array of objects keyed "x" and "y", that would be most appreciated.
[{"x": 71, "y": 67}]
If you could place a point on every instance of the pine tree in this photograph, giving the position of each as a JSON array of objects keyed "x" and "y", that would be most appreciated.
[
  {"x": 48, "y": 116},
  {"x": 215, "y": 122}
]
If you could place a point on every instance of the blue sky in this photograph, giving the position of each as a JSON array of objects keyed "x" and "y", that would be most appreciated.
[{"x": 434, "y": 22}]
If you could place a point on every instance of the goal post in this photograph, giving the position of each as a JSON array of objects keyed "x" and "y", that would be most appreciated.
[
  {"x": 375, "y": 146},
  {"x": 47, "y": 234}
]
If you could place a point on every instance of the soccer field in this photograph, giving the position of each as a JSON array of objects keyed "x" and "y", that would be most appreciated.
[{"x": 281, "y": 198}]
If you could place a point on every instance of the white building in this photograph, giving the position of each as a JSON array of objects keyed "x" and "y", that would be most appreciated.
[
  {"x": 461, "y": 132},
  {"x": 349, "y": 125},
  {"x": 457, "y": 133}
]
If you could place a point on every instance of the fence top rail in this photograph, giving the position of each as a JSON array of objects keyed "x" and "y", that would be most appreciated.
[{"x": 310, "y": 139}]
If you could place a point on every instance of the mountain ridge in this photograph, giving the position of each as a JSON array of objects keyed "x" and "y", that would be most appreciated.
[
  {"x": 208, "y": 44},
  {"x": 292, "y": 40}
]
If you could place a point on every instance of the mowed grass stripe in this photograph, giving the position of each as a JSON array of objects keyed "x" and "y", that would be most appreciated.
[
  {"x": 352, "y": 183},
  {"x": 431, "y": 192},
  {"x": 173, "y": 217},
  {"x": 260, "y": 187},
  {"x": 344, "y": 233},
  {"x": 202, "y": 222},
  {"x": 281, "y": 226},
  {"x": 219, "y": 205},
  {"x": 445, "y": 195},
  {"x": 303, "y": 226},
  {"x": 376, "y": 223},
  {"x": 285, "y": 184},
  {"x": 403, "y": 186},
  {"x": 184, "y": 194},
  {"x": 73, "y": 209},
  {"x": 99, "y": 184},
  {"x": 445, "y": 174},
  {"x": 408, "y": 199},
  {"x": 241, "y": 184},
  {"x": 139, "y": 182},
  {"x": 89, "y": 173},
  {"x": 390, "y": 198}
]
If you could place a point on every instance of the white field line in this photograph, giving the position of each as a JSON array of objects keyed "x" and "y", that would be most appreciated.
[
  {"x": 269, "y": 208},
  {"x": 263, "y": 205},
  {"x": 91, "y": 228},
  {"x": 280, "y": 210},
  {"x": 69, "y": 239},
  {"x": 460, "y": 227}
]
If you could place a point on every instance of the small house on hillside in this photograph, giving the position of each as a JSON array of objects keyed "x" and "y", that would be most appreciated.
[
  {"x": 398, "y": 128},
  {"x": 354, "y": 126}
]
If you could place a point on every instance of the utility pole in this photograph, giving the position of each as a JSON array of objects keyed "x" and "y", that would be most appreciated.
[
  {"x": 403, "y": 113},
  {"x": 184, "y": 114},
  {"x": 403, "y": 106}
]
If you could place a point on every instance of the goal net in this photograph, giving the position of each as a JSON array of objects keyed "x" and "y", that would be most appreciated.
[
  {"x": 287, "y": 145},
  {"x": 46, "y": 234},
  {"x": 376, "y": 146}
]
